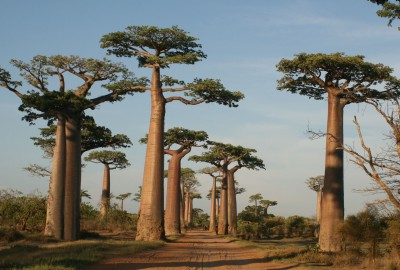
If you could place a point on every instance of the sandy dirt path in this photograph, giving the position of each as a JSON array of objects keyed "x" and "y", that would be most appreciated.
[{"x": 196, "y": 250}]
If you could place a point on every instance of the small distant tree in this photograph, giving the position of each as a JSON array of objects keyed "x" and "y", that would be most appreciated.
[
  {"x": 122, "y": 197},
  {"x": 267, "y": 204},
  {"x": 111, "y": 160},
  {"x": 256, "y": 198},
  {"x": 316, "y": 184}
]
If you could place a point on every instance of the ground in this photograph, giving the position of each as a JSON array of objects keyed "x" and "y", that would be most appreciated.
[{"x": 197, "y": 250}]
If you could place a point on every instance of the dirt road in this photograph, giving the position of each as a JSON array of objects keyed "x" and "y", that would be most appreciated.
[{"x": 196, "y": 250}]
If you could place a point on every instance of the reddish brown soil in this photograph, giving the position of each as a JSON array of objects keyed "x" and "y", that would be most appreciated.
[{"x": 196, "y": 250}]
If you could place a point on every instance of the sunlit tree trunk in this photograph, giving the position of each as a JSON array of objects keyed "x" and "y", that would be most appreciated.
[
  {"x": 55, "y": 201},
  {"x": 172, "y": 210},
  {"x": 150, "y": 224},
  {"x": 232, "y": 212},
  {"x": 213, "y": 206},
  {"x": 72, "y": 179},
  {"x": 223, "y": 213},
  {"x": 105, "y": 194},
  {"x": 333, "y": 198},
  {"x": 190, "y": 216}
]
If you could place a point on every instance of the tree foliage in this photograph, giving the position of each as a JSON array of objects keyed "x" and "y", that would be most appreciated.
[
  {"x": 315, "y": 183},
  {"x": 313, "y": 75},
  {"x": 114, "y": 159},
  {"x": 390, "y": 10}
]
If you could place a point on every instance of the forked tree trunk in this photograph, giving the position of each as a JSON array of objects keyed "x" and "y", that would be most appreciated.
[
  {"x": 319, "y": 206},
  {"x": 55, "y": 200},
  {"x": 72, "y": 179},
  {"x": 105, "y": 194},
  {"x": 150, "y": 224},
  {"x": 333, "y": 201},
  {"x": 223, "y": 213},
  {"x": 172, "y": 210},
  {"x": 232, "y": 212},
  {"x": 213, "y": 211}
]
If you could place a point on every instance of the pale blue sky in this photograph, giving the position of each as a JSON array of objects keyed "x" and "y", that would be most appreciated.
[{"x": 244, "y": 40}]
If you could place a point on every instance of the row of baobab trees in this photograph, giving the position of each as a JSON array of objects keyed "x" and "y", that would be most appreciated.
[{"x": 343, "y": 79}]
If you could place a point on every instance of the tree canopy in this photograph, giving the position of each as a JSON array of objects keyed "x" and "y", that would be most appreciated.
[
  {"x": 349, "y": 77},
  {"x": 114, "y": 159}
]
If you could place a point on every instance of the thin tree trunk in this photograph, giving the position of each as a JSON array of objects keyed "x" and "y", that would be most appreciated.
[
  {"x": 150, "y": 224},
  {"x": 72, "y": 179},
  {"x": 333, "y": 198},
  {"x": 172, "y": 210},
  {"x": 55, "y": 201},
  {"x": 223, "y": 213},
  {"x": 122, "y": 205},
  {"x": 213, "y": 208},
  {"x": 319, "y": 206},
  {"x": 232, "y": 212},
  {"x": 105, "y": 194}
]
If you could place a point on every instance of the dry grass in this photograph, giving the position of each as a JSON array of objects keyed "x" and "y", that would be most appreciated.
[{"x": 67, "y": 255}]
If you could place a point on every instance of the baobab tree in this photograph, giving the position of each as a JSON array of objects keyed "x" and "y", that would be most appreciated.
[
  {"x": 316, "y": 184},
  {"x": 111, "y": 160},
  {"x": 184, "y": 140},
  {"x": 214, "y": 173},
  {"x": 256, "y": 198},
  {"x": 189, "y": 191},
  {"x": 221, "y": 156},
  {"x": 159, "y": 48},
  {"x": 122, "y": 197},
  {"x": 344, "y": 79},
  {"x": 266, "y": 204},
  {"x": 66, "y": 107},
  {"x": 93, "y": 137}
]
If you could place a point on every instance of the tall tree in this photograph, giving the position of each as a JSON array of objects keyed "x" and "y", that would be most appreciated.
[
  {"x": 66, "y": 107},
  {"x": 214, "y": 173},
  {"x": 344, "y": 79},
  {"x": 158, "y": 48},
  {"x": 111, "y": 160},
  {"x": 92, "y": 137},
  {"x": 256, "y": 198},
  {"x": 184, "y": 140},
  {"x": 316, "y": 184}
]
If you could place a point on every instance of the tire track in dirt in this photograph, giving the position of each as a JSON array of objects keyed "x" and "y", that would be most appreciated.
[{"x": 195, "y": 251}]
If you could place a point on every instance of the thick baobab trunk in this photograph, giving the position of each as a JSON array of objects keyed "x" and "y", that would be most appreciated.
[
  {"x": 333, "y": 201},
  {"x": 150, "y": 224},
  {"x": 187, "y": 208},
  {"x": 172, "y": 210},
  {"x": 191, "y": 211},
  {"x": 232, "y": 212},
  {"x": 223, "y": 213},
  {"x": 55, "y": 201},
  {"x": 217, "y": 208},
  {"x": 319, "y": 206},
  {"x": 182, "y": 207},
  {"x": 105, "y": 194},
  {"x": 213, "y": 225},
  {"x": 72, "y": 178}
]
